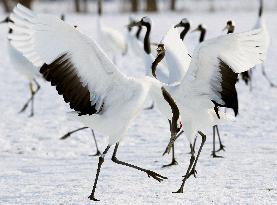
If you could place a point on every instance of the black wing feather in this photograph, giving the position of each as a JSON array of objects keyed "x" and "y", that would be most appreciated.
[
  {"x": 228, "y": 92},
  {"x": 62, "y": 74}
]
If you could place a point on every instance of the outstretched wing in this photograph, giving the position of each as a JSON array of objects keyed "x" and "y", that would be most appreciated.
[
  {"x": 73, "y": 63},
  {"x": 216, "y": 63},
  {"x": 176, "y": 55}
]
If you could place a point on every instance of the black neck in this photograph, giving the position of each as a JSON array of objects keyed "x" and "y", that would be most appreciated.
[
  {"x": 156, "y": 62},
  {"x": 184, "y": 32},
  {"x": 167, "y": 97},
  {"x": 202, "y": 35},
  {"x": 261, "y": 8},
  {"x": 138, "y": 32},
  {"x": 175, "y": 112},
  {"x": 147, "y": 47}
]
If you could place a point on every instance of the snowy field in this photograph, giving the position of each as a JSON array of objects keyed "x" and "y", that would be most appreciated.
[{"x": 38, "y": 168}]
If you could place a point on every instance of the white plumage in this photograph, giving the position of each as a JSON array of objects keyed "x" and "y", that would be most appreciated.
[
  {"x": 170, "y": 69},
  {"x": 23, "y": 66},
  {"x": 143, "y": 50},
  {"x": 203, "y": 81},
  {"x": 109, "y": 101},
  {"x": 209, "y": 83},
  {"x": 176, "y": 59},
  {"x": 103, "y": 97},
  {"x": 133, "y": 43},
  {"x": 42, "y": 40}
]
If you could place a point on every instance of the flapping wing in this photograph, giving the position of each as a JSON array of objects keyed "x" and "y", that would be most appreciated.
[
  {"x": 73, "y": 63},
  {"x": 216, "y": 63},
  {"x": 176, "y": 55}
]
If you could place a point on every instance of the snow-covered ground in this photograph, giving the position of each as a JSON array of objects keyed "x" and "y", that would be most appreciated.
[{"x": 38, "y": 168}]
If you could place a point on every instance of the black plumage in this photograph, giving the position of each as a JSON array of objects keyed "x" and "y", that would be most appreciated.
[
  {"x": 62, "y": 74},
  {"x": 228, "y": 92}
]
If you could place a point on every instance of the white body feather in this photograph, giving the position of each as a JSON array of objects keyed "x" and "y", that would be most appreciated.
[
  {"x": 41, "y": 38},
  {"x": 176, "y": 59},
  {"x": 171, "y": 69},
  {"x": 21, "y": 64}
]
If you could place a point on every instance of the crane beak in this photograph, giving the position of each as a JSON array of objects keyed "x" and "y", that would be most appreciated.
[
  {"x": 178, "y": 25},
  {"x": 133, "y": 24},
  {"x": 6, "y": 20}
]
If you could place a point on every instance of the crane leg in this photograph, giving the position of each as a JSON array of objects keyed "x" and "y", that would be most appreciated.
[
  {"x": 71, "y": 132},
  {"x": 34, "y": 92},
  {"x": 221, "y": 146},
  {"x": 96, "y": 145},
  {"x": 93, "y": 135},
  {"x": 149, "y": 173},
  {"x": 214, "y": 152},
  {"x": 192, "y": 166},
  {"x": 192, "y": 147},
  {"x": 100, "y": 162},
  {"x": 173, "y": 162},
  {"x": 31, "y": 99}
]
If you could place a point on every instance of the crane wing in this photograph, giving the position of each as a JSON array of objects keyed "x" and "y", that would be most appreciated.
[
  {"x": 73, "y": 63},
  {"x": 216, "y": 63}
]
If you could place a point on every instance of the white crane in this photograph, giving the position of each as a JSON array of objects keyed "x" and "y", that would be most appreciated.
[
  {"x": 72, "y": 115},
  {"x": 111, "y": 40},
  {"x": 145, "y": 49},
  {"x": 93, "y": 86},
  {"x": 27, "y": 69},
  {"x": 210, "y": 81},
  {"x": 174, "y": 61},
  {"x": 132, "y": 44},
  {"x": 133, "y": 39},
  {"x": 23, "y": 66},
  {"x": 165, "y": 73},
  {"x": 185, "y": 25},
  {"x": 203, "y": 31},
  {"x": 100, "y": 94}
]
